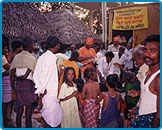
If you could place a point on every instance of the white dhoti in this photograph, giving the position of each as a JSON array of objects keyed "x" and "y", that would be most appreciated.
[{"x": 51, "y": 111}]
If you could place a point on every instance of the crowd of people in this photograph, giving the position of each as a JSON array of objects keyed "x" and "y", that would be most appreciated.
[{"x": 83, "y": 86}]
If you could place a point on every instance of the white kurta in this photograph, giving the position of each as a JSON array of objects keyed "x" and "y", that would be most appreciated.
[
  {"x": 120, "y": 61},
  {"x": 46, "y": 77},
  {"x": 113, "y": 49},
  {"x": 105, "y": 68},
  {"x": 70, "y": 108}
]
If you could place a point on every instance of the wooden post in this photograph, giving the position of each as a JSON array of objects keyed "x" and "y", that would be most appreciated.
[
  {"x": 110, "y": 27},
  {"x": 91, "y": 19},
  {"x": 104, "y": 23}
]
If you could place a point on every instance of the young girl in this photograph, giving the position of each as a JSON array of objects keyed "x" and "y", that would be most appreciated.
[
  {"x": 68, "y": 100},
  {"x": 110, "y": 117}
]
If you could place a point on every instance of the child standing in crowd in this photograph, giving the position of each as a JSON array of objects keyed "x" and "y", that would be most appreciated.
[
  {"x": 90, "y": 92},
  {"x": 67, "y": 96},
  {"x": 110, "y": 117},
  {"x": 130, "y": 84}
]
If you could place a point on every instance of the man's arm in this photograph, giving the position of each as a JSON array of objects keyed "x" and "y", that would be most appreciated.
[
  {"x": 6, "y": 66},
  {"x": 5, "y": 73},
  {"x": 120, "y": 66},
  {"x": 134, "y": 93},
  {"x": 100, "y": 98},
  {"x": 156, "y": 121},
  {"x": 12, "y": 81},
  {"x": 100, "y": 76},
  {"x": 85, "y": 58},
  {"x": 40, "y": 104}
]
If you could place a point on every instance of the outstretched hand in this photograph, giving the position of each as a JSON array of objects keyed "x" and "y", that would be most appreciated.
[
  {"x": 40, "y": 104},
  {"x": 132, "y": 112},
  {"x": 133, "y": 93},
  {"x": 117, "y": 64}
]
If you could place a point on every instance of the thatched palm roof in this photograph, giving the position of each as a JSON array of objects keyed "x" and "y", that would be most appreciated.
[
  {"x": 21, "y": 19},
  {"x": 70, "y": 28}
]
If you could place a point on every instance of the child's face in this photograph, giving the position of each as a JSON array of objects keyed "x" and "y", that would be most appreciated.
[{"x": 70, "y": 75}]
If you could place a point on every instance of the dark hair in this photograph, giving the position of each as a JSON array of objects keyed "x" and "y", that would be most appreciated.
[
  {"x": 42, "y": 43},
  {"x": 89, "y": 73},
  {"x": 4, "y": 45},
  {"x": 152, "y": 38},
  {"x": 27, "y": 42},
  {"x": 80, "y": 84},
  {"x": 111, "y": 43},
  {"x": 74, "y": 56},
  {"x": 112, "y": 80},
  {"x": 109, "y": 54},
  {"x": 143, "y": 43},
  {"x": 103, "y": 87},
  {"x": 63, "y": 47},
  {"x": 52, "y": 41},
  {"x": 68, "y": 47},
  {"x": 129, "y": 76},
  {"x": 16, "y": 44},
  {"x": 5, "y": 41},
  {"x": 101, "y": 44},
  {"x": 65, "y": 74}
]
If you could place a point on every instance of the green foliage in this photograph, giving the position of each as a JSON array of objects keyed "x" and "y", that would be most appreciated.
[{"x": 60, "y": 5}]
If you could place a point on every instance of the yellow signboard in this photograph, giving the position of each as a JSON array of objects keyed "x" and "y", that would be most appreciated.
[{"x": 132, "y": 18}]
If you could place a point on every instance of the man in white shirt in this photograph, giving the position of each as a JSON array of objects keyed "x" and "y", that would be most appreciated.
[
  {"x": 119, "y": 61},
  {"x": 46, "y": 84},
  {"x": 115, "y": 46},
  {"x": 102, "y": 50},
  {"x": 105, "y": 65},
  {"x": 128, "y": 54}
]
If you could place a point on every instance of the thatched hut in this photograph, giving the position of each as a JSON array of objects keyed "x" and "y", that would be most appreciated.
[
  {"x": 21, "y": 19},
  {"x": 70, "y": 28}
]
